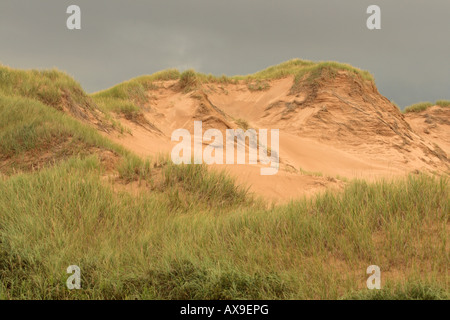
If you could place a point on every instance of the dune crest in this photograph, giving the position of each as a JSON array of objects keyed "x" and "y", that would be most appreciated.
[{"x": 334, "y": 124}]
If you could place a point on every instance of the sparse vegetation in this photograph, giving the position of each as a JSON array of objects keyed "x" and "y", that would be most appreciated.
[
  {"x": 258, "y": 85},
  {"x": 188, "y": 80},
  {"x": 134, "y": 89},
  {"x": 130, "y": 97},
  {"x": 56, "y": 89},
  {"x": 310, "y": 173},
  {"x": 243, "y": 124},
  {"x": 299, "y": 68},
  {"x": 422, "y": 106},
  {"x": 418, "y": 107},
  {"x": 443, "y": 103}
]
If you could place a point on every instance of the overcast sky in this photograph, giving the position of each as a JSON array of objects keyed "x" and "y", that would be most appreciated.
[{"x": 119, "y": 40}]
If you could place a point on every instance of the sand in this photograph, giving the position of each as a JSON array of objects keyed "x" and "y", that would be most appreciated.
[{"x": 337, "y": 129}]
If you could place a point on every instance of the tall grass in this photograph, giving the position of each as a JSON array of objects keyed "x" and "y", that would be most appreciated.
[
  {"x": 28, "y": 124},
  {"x": 191, "y": 186},
  {"x": 28, "y": 127},
  {"x": 133, "y": 168},
  {"x": 188, "y": 80},
  {"x": 56, "y": 89},
  {"x": 408, "y": 291},
  {"x": 141, "y": 247},
  {"x": 47, "y": 86}
]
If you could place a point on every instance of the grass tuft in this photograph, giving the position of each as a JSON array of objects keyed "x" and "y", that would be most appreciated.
[
  {"x": 443, "y": 103},
  {"x": 189, "y": 80},
  {"x": 418, "y": 107}
]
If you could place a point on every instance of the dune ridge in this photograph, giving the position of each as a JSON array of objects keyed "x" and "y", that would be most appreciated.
[{"x": 334, "y": 125}]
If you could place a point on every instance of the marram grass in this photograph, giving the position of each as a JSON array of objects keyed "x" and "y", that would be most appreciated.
[{"x": 140, "y": 247}]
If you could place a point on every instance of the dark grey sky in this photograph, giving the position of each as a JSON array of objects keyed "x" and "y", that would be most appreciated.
[{"x": 409, "y": 57}]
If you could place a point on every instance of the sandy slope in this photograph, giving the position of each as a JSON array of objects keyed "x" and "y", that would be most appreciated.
[
  {"x": 433, "y": 125},
  {"x": 338, "y": 127}
]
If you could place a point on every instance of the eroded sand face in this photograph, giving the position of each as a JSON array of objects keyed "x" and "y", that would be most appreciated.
[{"x": 340, "y": 128}]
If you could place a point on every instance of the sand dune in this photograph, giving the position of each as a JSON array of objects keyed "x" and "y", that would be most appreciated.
[
  {"x": 433, "y": 125},
  {"x": 332, "y": 128}
]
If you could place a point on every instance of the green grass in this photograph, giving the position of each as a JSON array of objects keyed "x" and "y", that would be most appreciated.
[
  {"x": 192, "y": 233},
  {"x": 118, "y": 106},
  {"x": 135, "y": 169},
  {"x": 27, "y": 124},
  {"x": 28, "y": 127},
  {"x": 193, "y": 186},
  {"x": 300, "y": 68},
  {"x": 422, "y": 106},
  {"x": 58, "y": 90},
  {"x": 443, "y": 103},
  {"x": 50, "y": 87},
  {"x": 224, "y": 246},
  {"x": 189, "y": 80},
  {"x": 134, "y": 89},
  {"x": 130, "y": 97},
  {"x": 418, "y": 107},
  {"x": 408, "y": 291}
]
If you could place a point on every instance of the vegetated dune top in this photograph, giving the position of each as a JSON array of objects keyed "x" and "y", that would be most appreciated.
[
  {"x": 52, "y": 88},
  {"x": 333, "y": 122}
]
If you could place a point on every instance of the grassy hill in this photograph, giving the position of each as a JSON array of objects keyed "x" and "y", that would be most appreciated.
[{"x": 148, "y": 229}]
